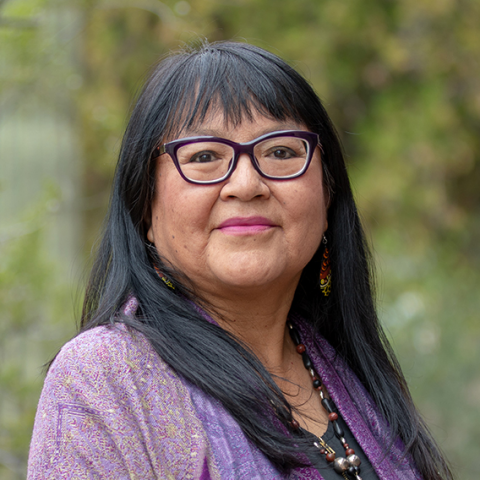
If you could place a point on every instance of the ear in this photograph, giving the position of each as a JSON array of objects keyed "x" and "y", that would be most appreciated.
[
  {"x": 327, "y": 189},
  {"x": 147, "y": 222},
  {"x": 326, "y": 199},
  {"x": 328, "y": 183},
  {"x": 150, "y": 236}
]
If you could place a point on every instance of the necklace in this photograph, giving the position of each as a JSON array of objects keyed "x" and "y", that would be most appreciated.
[{"x": 348, "y": 467}]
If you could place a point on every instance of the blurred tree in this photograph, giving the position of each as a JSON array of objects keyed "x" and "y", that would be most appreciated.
[
  {"x": 35, "y": 304},
  {"x": 400, "y": 79}
]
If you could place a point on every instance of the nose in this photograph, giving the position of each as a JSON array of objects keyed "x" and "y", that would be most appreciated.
[{"x": 245, "y": 183}]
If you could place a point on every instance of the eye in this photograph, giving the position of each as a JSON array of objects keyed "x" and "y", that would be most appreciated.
[
  {"x": 282, "y": 153},
  {"x": 203, "y": 157}
]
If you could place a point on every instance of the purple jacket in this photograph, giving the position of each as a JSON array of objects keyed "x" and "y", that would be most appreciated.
[{"x": 112, "y": 408}]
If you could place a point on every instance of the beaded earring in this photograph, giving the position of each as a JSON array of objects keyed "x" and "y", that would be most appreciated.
[
  {"x": 325, "y": 271},
  {"x": 165, "y": 279},
  {"x": 153, "y": 254}
]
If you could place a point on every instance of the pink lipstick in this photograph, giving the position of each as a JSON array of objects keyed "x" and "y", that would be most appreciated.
[{"x": 245, "y": 225}]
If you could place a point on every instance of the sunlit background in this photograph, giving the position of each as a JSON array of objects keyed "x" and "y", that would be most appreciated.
[{"x": 401, "y": 80}]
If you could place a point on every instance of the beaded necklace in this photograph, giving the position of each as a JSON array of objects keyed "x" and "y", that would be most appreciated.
[{"x": 349, "y": 467}]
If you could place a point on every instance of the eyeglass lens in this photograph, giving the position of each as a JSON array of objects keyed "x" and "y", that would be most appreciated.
[{"x": 279, "y": 157}]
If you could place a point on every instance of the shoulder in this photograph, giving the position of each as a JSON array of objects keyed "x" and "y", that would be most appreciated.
[
  {"x": 102, "y": 365},
  {"x": 107, "y": 394},
  {"x": 106, "y": 347},
  {"x": 109, "y": 362}
]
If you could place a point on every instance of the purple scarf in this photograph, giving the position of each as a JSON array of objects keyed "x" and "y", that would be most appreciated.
[
  {"x": 112, "y": 408},
  {"x": 352, "y": 400}
]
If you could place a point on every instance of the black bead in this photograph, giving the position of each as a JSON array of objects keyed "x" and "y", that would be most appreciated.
[
  {"x": 338, "y": 430},
  {"x": 353, "y": 470},
  {"x": 306, "y": 361},
  {"x": 294, "y": 335},
  {"x": 328, "y": 405},
  {"x": 317, "y": 383}
]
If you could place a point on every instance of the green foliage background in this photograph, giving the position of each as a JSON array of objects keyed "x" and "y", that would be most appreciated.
[{"x": 401, "y": 81}]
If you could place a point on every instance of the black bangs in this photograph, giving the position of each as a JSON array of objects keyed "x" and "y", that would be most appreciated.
[{"x": 236, "y": 81}]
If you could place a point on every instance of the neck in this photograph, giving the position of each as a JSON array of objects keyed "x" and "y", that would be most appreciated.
[{"x": 258, "y": 318}]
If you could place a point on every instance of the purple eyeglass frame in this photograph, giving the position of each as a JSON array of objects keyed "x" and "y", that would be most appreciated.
[{"x": 171, "y": 148}]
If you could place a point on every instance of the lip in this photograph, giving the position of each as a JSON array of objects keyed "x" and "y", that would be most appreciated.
[{"x": 245, "y": 225}]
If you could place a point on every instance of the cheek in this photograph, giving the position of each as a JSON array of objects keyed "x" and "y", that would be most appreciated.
[
  {"x": 308, "y": 218},
  {"x": 180, "y": 215},
  {"x": 310, "y": 225}
]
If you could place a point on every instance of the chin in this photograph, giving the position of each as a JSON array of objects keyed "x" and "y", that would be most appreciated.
[{"x": 251, "y": 279}]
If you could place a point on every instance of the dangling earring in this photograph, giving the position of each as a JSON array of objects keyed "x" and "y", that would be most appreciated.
[
  {"x": 165, "y": 279},
  {"x": 325, "y": 271}
]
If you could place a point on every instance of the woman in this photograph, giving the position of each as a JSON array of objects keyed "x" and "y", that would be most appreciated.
[{"x": 229, "y": 329}]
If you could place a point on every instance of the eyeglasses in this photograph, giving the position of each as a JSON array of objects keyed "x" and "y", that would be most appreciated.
[{"x": 207, "y": 160}]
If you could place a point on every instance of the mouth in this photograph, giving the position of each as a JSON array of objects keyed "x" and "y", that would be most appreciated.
[{"x": 246, "y": 225}]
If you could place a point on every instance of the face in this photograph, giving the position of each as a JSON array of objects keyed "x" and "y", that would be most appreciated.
[{"x": 245, "y": 234}]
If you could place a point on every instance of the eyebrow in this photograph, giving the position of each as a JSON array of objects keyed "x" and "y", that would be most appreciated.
[{"x": 210, "y": 132}]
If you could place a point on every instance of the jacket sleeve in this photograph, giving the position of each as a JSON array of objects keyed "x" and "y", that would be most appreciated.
[{"x": 110, "y": 408}]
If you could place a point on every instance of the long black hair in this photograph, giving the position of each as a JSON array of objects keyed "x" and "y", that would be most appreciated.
[{"x": 240, "y": 80}]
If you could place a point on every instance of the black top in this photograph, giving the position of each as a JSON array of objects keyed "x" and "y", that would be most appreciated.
[{"x": 326, "y": 470}]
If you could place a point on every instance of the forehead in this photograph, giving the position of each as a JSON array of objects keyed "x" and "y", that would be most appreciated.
[{"x": 217, "y": 124}]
